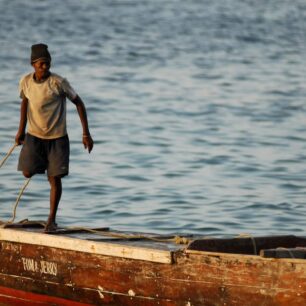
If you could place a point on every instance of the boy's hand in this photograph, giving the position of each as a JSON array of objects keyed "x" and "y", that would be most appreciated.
[
  {"x": 88, "y": 142},
  {"x": 19, "y": 138}
]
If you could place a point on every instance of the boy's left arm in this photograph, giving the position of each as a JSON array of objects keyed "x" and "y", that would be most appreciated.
[{"x": 87, "y": 140}]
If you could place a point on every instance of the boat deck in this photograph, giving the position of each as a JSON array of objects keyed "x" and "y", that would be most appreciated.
[
  {"x": 149, "y": 246},
  {"x": 104, "y": 234},
  {"x": 102, "y": 241}
]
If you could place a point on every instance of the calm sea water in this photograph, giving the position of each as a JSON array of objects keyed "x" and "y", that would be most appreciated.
[{"x": 197, "y": 109}]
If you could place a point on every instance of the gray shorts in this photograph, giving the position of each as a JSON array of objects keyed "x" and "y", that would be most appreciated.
[{"x": 38, "y": 155}]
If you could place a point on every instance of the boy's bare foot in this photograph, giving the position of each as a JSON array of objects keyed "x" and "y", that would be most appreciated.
[{"x": 50, "y": 227}]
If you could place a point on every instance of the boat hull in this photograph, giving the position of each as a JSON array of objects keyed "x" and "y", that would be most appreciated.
[{"x": 40, "y": 274}]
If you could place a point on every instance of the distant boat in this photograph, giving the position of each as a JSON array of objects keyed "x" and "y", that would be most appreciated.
[{"x": 78, "y": 267}]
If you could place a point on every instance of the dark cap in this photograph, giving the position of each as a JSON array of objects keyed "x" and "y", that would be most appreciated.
[{"x": 39, "y": 51}]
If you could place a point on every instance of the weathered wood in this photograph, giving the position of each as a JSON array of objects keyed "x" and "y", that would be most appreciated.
[
  {"x": 246, "y": 245},
  {"x": 63, "y": 231},
  {"x": 284, "y": 253},
  {"x": 38, "y": 225},
  {"x": 194, "y": 278},
  {"x": 126, "y": 251},
  {"x": 59, "y": 230},
  {"x": 247, "y": 280}
]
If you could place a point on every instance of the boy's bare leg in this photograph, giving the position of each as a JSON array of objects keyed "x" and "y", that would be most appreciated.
[{"x": 55, "y": 196}]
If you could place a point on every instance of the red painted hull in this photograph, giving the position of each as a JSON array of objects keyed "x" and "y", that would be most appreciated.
[{"x": 9, "y": 296}]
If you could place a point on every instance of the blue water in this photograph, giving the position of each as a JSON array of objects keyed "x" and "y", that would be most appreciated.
[{"x": 197, "y": 109}]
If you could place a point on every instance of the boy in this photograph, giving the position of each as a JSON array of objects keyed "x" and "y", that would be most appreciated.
[{"x": 43, "y": 111}]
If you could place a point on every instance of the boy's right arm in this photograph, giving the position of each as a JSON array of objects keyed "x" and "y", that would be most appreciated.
[{"x": 23, "y": 122}]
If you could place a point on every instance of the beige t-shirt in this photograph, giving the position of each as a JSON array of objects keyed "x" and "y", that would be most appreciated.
[{"x": 47, "y": 105}]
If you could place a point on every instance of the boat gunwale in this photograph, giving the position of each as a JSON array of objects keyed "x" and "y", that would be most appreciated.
[
  {"x": 122, "y": 250},
  {"x": 244, "y": 256},
  {"x": 87, "y": 246}
]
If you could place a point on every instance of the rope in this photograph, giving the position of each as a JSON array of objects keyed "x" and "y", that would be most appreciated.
[
  {"x": 8, "y": 154},
  {"x": 174, "y": 239},
  {"x": 17, "y": 200},
  {"x": 106, "y": 233},
  {"x": 289, "y": 251},
  {"x": 22, "y": 189}
]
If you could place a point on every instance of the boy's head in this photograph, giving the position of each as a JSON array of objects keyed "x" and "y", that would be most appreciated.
[{"x": 40, "y": 52}]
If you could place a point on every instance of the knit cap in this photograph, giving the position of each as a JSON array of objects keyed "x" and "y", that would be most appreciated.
[{"x": 39, "y": 51}]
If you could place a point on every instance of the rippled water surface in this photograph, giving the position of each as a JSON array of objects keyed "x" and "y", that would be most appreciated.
[{"x": 197, "y": 109}]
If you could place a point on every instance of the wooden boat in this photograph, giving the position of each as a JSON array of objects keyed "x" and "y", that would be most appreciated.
[{"x": 78, "y": 267}]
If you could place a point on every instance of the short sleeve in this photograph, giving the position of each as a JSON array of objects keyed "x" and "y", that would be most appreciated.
[
  {"x": 68, "y": 90},
  {"x": 21, "y": 88}
]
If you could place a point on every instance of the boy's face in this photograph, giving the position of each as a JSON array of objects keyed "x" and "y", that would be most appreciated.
[{"x": 41, "y": 68}]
